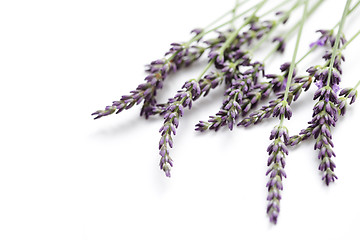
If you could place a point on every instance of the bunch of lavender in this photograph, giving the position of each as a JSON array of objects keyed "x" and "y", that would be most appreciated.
[
  {"x": 179, "y": 55},
  {"x": 278, "y": 84},
  {"x": 192, "y": 91},
  {"x": 243, "y": 91},
  {"x": 246, "y": 84}
]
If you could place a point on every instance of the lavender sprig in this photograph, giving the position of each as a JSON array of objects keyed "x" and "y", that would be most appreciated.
[
  {"x": 325, "y": 115},
  {"x": 174, "y": 111},
  {"x": 191, "y": 91},
  {"x": 277, "y": 151},
  {"x": 326, "y": 110},
  {"x": 181, "y": 55}
]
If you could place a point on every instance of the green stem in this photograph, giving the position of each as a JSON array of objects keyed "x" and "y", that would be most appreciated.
[
  {"x": 206, "y": 69},
  {"x": 235, "y": 33},
  {"x": 290, "y": 32},
  {"x": 286, "y": 15},
  {"x": 292, "y": 65},
  {"x": 231, "y": 39},
  {"x": 351, "y": 39},
  {"x": 358, "y": 83},
  {"x": 274, "y": 8},
  {"x": 315, "y": 46},
  {"x": 237, "y": 5},
  {"x": 306, "y": 54},
  {"x": 219, "y": 26},
  {"x": 234, "y": 13},
  {"x": 234, "y": 18},
  {"x": 312, "y": 10},
  {"x": 199, "y": 36},
  {"x": 337, "y": 41},
  {"x": 350, "y": 11}
]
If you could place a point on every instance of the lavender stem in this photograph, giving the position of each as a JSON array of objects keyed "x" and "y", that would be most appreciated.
[
  {"x": 288, "y": 34},
  {"x": 337, "y": 41},
  {"x": 351, "y": 39}
]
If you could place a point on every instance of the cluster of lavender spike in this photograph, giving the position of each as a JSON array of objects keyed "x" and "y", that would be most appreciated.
[
  {"x": 246, "y": 85},
  {"x": 227, "y": 70},
  {"x": 327, "y": 108},
  {"x": 243, "y": 89}
]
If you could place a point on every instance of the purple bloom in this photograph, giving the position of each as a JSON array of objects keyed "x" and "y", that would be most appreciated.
[
  {"x": 281, "y": 44},
  {"x": 240, "y": 89},
  {"x": 190, "y": 92},
  {"x": 277, "y": 151},
  {"x": 320, "y": 42}
]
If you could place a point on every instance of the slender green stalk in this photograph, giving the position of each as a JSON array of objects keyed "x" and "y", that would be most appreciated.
[
  {"x": 236, "y": 17},
  {"x": 337, "y": 41},
  {"x": 290, "y": 32},
  {"x": 351, "y": 39},
  {"x": 199, "y": 36},
  {"x": 292, "y": 65},
  {"x": 203, "y": 33},
  {"x": 231, "y": 39},
  {"x": 311, "y": 11},
  {"x": 358, "y": 83},
  {"x": 233, "y": 11},
  {"x": 286, "y": 15},
  {"x": 315, "y": 46},
  {"x": 350, "y": 11},
  {"x": 274, "y": 8}
]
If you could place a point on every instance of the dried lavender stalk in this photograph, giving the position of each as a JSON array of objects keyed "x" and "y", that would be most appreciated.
[
  {"x": 191, "y": 91},
  {"x": 326, "y": 110},
  {"x": 277, "y": 150}
]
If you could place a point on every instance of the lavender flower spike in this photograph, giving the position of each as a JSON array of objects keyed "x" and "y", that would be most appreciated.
[
  {"x": 158, "y": 70},
  {"x": 277, "y": 151},
  {"x": 190, "y": 92}
]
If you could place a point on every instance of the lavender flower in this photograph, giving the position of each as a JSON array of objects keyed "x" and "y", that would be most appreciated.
[
  {"x": 190, "y": 92},
  {"x": 240, "y": 86},
  {"x": 275, "y": 107},
  {"x": 181, "y": 55},
  {"x": 281, "y": 44},
  {"x": 325, "y": 115},
  {"x": 326, "y": 37},
  {"x": 346, "y": 93},
  {"x": 173, "y": 112},
  {"x": 277, "y": 151}
]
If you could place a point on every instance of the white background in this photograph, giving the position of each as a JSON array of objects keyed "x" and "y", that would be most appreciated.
[{"x": 65, "y": 176}]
